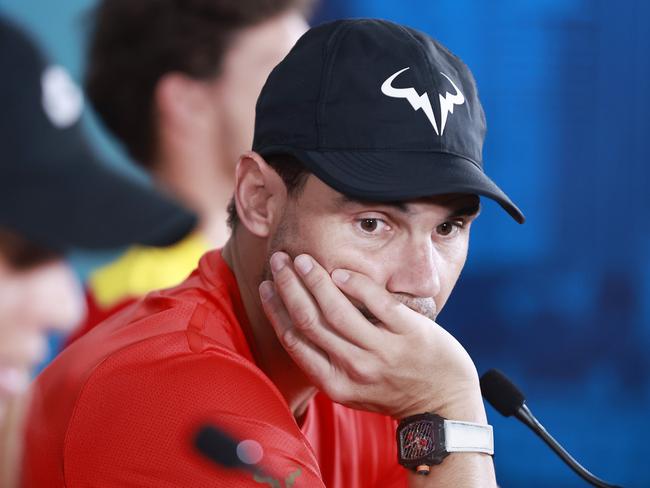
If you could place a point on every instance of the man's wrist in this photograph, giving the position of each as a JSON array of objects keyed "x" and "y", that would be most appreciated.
[
  {"x": 464, "y": 404},
  {"x": 470, "y": 409}
]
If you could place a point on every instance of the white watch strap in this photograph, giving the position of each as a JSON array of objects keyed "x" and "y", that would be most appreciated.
[{"x": 468, "y": 437}]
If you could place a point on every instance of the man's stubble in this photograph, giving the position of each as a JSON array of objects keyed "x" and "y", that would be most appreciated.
[{"x": 287, "y": 238}]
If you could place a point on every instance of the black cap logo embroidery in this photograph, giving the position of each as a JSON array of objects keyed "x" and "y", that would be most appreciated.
[{"x": 423, "y": 102}]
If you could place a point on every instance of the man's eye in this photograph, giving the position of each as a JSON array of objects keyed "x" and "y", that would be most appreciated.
[
  {"x": 448, "y": 228},
  {"x": 371, "y": 226}
]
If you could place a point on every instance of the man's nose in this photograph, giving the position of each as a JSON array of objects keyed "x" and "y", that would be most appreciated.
[{"x": 416, "y": 271}]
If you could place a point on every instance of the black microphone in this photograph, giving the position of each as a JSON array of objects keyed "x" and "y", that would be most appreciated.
[
  {"x": 227, "y": 452},
  {"x": 508, "y": 400}
]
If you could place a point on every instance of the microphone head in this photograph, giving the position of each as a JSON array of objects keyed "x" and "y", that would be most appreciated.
[
  {"x": 217, "y": 446},
  {"x": 501, "y": 393}
]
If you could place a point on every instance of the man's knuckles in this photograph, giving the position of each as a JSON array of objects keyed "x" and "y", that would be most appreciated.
[
  {"x": 338, "y": 391},
  {"x": 291, "y": 341},
  {"x": 307, "y": 321},
  {"x": 284, "y": 280},
  {"x": 337, "y": 318},
  {"x": 363, "y": 372}
]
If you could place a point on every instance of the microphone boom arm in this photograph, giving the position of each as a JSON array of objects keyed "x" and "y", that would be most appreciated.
[
  {"x": 526, "y": 416},
  {"x": 508, "y": 400}
]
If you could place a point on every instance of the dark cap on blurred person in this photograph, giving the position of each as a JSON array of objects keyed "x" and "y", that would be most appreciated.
[
  {"x": 53, "y": 189},
  {"x": 379, "y": 112}
]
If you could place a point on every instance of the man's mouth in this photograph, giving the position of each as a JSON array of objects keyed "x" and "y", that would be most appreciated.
[{"x": 426, "y": 308}]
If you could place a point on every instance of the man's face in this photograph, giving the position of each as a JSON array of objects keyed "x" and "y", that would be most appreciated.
[
  {"x": 254, "y": 52},
  {"x": 415, "y": 249}
]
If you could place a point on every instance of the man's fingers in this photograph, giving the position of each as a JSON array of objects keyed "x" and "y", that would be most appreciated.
[
  {"x": 393, "y": 314},
  {"x": 328, "y": 375},
  {"x": 344, "y": 318},
  {"x": 313, "y": 361},
  {"x": 304, "y": 312},
  {"x": 274, "y": 309}
]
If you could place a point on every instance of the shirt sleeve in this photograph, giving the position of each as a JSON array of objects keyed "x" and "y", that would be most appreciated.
[
  {"x": 395, "y": 476},
  {"x": 137, "y": 415}
]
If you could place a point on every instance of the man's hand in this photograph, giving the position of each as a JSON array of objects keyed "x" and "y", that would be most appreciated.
[{"x": 403, "y": 365}]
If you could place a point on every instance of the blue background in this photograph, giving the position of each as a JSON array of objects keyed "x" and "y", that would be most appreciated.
[{"x": 562, "y": 303}]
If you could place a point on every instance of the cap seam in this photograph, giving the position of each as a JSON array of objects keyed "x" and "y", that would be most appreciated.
[
  {"x": 329, "y": 49},
  {"x": 421, "y": 53},
  {"x": 420, "y": 50}
]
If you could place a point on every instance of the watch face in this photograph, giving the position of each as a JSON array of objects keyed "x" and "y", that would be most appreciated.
[{"x": 417, "y": 440}]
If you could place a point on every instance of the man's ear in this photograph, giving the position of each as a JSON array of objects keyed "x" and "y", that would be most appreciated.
[
  {"x": 260, "y": 194},
  {"x": 181, "y": 102}
]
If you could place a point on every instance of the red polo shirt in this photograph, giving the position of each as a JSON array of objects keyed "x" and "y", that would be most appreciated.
[{"x": 119, "y": 407}]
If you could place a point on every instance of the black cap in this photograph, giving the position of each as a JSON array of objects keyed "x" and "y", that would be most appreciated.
[
  {"x": 53, "y": 190},
  {"x": 378, "y": 111}
]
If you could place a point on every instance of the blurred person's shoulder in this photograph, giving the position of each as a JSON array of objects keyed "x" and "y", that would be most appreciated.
[{"x": 178, "y": 354}]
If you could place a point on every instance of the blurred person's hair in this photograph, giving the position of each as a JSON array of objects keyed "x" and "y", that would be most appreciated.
[
  {"x": 294, "y": 176},
  {"x": 134, "y": 43},
  {"x": 21, "y": 253}
]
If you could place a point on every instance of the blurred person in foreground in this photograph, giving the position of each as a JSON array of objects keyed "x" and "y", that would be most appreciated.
[
  {"x": 176, "y": 83},
  {"x": 312, "y": 333},
  {"x": 54, "y": 197}
]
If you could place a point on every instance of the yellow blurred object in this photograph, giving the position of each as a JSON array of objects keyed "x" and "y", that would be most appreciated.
[{"x": 142, "y": 269}]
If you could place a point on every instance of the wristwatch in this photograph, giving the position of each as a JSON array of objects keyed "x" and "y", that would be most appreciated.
[{"x": 426, "y": 439}]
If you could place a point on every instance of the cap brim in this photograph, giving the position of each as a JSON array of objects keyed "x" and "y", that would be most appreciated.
[
  {"x": 396, "y": 176},
  {"x": 77, "y": 202}
]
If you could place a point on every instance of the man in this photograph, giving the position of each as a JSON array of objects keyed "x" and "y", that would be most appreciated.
[
  {"x": 177, "y": 82},
  {"x": 54, "y": 197},
  {"x": 312, "y": 333}
]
